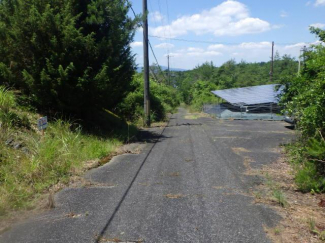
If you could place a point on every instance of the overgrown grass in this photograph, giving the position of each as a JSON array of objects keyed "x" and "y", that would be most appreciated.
[
  {"x": 44, "y": 161},
  {"x": 31, "y": 163},
  {"x": 7, "y": 100},
  {"x": 309, "y": 176},
  {"x": 276, "y": 192},
  {"x": 313, "y": 229}
]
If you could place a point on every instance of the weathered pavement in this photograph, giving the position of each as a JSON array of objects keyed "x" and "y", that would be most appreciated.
[{"x": 189, "y": 186}]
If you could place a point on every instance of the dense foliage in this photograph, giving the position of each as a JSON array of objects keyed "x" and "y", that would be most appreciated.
[
  {"x": 163, "y": 99},
  {"x": 30, "y": 163},
  {"x": 196, "y": 85},
  {"x": 305, "y": 100},
  {"x": 69, "y": 56}
]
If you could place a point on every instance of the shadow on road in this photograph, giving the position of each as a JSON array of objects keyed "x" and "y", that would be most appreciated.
[
  {"x": 143, "y": 136},
  {"x": 290, "y": 127},
  {"x": 147, "y": 136},
  {"x": 186, "y": 124}
]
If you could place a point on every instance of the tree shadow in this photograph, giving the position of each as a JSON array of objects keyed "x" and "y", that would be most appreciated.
[{"x": 143, "y": 136}]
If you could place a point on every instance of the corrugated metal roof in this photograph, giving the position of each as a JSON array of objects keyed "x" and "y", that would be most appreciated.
[{"x": 250, "y": 95}]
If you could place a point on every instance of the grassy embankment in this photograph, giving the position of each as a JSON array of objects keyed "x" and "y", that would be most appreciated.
[{"x": 30, "y": 163}]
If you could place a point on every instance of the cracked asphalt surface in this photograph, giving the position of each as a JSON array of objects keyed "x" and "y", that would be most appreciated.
[{"x": 187, "y": 186}]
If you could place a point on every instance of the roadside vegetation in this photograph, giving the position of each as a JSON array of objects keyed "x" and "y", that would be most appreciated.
[
  {"x": 31, "y": 163},
  {"x": 164, "y": 99},
  {"x": 72, "y": 62},
  {"x": 304, "y": 99}
]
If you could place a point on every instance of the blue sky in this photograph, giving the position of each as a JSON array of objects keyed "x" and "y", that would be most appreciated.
[{"x": 240, "y": 30}]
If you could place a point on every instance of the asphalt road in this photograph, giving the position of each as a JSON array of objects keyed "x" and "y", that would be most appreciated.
[{"x": 188, "y": 186}]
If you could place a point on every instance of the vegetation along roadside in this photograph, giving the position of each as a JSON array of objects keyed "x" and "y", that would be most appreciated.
[{"x": 72, "y": 62}]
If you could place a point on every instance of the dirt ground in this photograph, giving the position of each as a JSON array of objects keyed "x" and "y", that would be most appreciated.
[{"x": 303, "y": 215}]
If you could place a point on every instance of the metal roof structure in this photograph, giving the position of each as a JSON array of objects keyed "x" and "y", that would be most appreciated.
[{"x": 253, "y": 95}]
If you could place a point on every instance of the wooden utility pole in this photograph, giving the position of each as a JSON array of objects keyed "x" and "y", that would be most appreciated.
[
  {"x": 299, "y": 62},
  {"x": 168, "y": 57},
  {"x": 304, "y": 49},
  {"x": 272, "y": 63},
  {"x": 146, "y": 64}
]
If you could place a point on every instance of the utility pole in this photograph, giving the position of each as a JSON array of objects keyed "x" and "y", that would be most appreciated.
[
  {"x": 168, "y": 57},
  {"x": 304, "y": 49},
  {"x": 272, "y": 63},
  {"x": 146, "y": 64},
  {"x": 299, "y": 65}
]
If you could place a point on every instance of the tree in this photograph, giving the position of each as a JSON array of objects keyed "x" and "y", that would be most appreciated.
[
  {"x": 304, "y": 98},
  {"x": 72, "y": 56}
]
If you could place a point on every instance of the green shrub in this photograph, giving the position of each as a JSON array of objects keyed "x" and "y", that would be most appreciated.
[
  {"x": 304, "y": 98},
  {"x": 309, "y": 179},
  {"x": 163, "y": 100},
  {"x": 201, "y": 94}
]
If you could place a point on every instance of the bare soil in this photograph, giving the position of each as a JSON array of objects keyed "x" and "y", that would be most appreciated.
[{"x": 303, "y": 217}]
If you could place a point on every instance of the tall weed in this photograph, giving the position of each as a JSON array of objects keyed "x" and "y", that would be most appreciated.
[
  {"x": 7, "y": 100},
  {"x": 51, "y": 159}
]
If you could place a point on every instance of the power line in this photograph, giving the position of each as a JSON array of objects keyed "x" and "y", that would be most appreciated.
[
  {"x": 168, "y": 24},
  {"x": 157, "y": 61},
  {"x": 151, "y": 51},
  {"x": 168, "y": 14},
  {"x": 160, "y": 10},
  {"x": 213, "y": 42},
  {"x": 154, "y": 19}
]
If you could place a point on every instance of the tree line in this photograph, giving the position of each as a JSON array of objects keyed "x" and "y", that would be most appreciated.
[
  {"x": 69, "y": 56},
  {"x": 73, "y": 57},
  {"x": 196, "y": 85}
]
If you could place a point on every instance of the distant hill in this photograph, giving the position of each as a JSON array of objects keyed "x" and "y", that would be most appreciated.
[{"x": 139, "y": 69}]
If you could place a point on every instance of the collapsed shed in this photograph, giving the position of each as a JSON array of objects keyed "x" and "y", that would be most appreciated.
[{"x": 255, "y": 103}]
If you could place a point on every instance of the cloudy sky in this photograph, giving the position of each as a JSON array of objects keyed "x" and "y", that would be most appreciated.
[{"x": 196, "y": 31}]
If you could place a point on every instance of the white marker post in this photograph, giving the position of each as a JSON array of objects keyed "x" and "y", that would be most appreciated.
[{"x": 42, "y": 124}]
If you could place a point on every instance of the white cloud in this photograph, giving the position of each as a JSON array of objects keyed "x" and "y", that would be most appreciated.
[
  {"x": 318, "y": 25},
  {"x": 200, "y": 52},
  {"x": 190, "y": 57},
  {"x": 230, "y": 18},
  {"x": 194, "y": 49},
  {"x": 301, "y": 44},
  {"x": 204, "y": 54},
  {"x": 156, "y": 16},
  {"x": 255, "y": 45},
  {"x": 283, "y": 14},
  {"x": 195, "y": 52},
  {"x": 165, "y": 46},
  {"x": 216, "y": 47},
  {"x": 220, "y": 53},
  {"x": 294, "y": 46},
  {"x": 320, "y": 3},
  {"x": 136, "y": 44}
]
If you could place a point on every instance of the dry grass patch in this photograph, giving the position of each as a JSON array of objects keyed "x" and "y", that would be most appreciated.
[
  {"x": 174, "y": 174},
  {"x": 114, "y": 240},
  {"x": 303, "y": 218},
  {"x": 194, "y": 116},
  {"x": 247, "y": 162},
  {"x": 174, "y": 196},
  {"x": 240, "y": 150}
]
